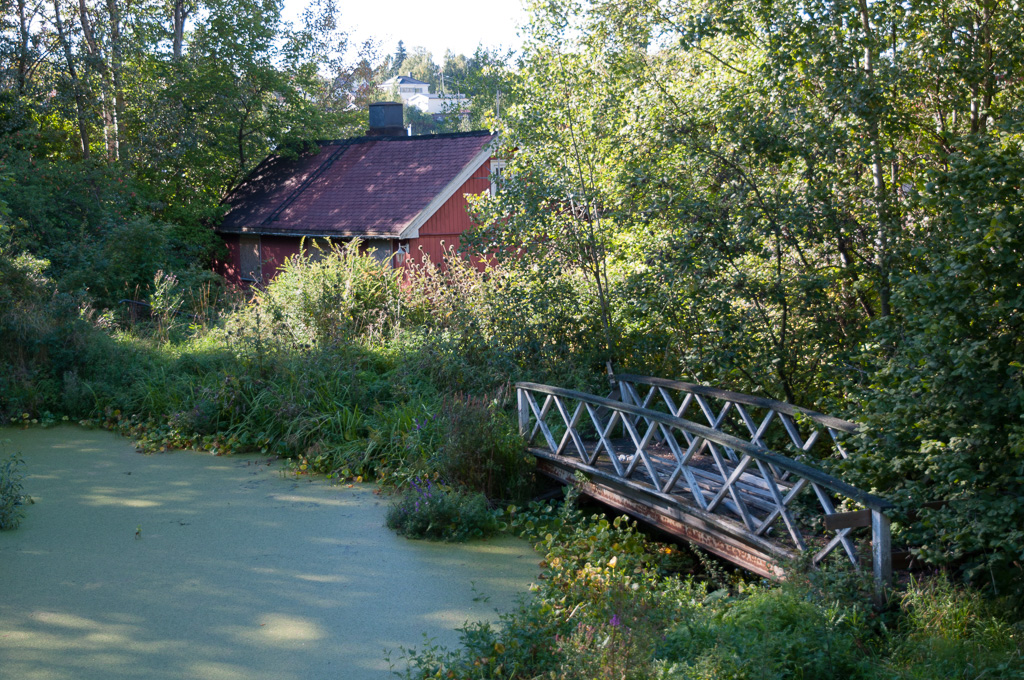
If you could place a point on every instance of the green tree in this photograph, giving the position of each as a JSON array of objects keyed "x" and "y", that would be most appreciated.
[
  {"x": 790, "y": 198},
  {"x": 399, "y": 58},
  {"x": 946, "y": 408},
  {"x": 420, "y": 65},
  {"x": 108, "y": 127},
  {"x": 553, "y": 203}
]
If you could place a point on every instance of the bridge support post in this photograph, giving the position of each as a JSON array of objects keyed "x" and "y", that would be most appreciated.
[
  {"x": 523, "y": 412},
  {"x": 881, "y": 553}
]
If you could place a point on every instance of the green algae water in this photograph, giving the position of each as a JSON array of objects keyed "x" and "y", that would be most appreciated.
[{"x": 186, "y": 565}]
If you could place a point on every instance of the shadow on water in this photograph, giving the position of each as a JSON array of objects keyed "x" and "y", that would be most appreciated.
[{"x": 185, "y": 565}]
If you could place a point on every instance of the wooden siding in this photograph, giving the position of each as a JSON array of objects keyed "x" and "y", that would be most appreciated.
[
  {"x": 229, "y": 267},
  {"x": 442, "y": 231},
  {"x": 275, "y": 250}
]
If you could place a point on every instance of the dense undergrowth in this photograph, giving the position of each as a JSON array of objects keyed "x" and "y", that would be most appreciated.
[
  {"x": 613, "y": 604},
  {"x": 349, "y": 373}
]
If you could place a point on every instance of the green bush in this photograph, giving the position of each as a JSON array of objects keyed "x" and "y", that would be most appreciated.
[
  {"x": 945, "y": 414},
  {"x": 332, "y": 295},
  {"x": 482, "y": 449},
  {"x": 769, "y": 634},
  {"x": 434, "y": 512},
  {"x": 42, "y": 335},
  {"x": 11, "y": 498},
  {"x": 950, "y": 632}
]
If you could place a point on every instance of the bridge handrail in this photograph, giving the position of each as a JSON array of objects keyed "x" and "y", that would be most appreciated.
[
  {"x": 741, "y": 398},
  {"x": 757, "y": 452}
]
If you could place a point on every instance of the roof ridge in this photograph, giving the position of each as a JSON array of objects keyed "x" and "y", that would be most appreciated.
[{"x": 403, "y": 138}]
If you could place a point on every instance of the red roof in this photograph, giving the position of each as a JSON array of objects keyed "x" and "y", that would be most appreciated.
[{"x": 366, "y": 186}]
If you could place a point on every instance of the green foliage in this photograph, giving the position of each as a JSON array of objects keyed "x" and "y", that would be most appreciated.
[
  {"x": 610, "y": 604},
  {"x": 11, "y": 498},
  {"x": 165, "y": 302},
  {"x": 805, "y": 201},
  {"x": 324, "y": 297},
  {"x": 481, "y": 449},
  {"x": 116, "y": 151},
  {"x": 951, "y": 632},
  {"x": 431, "y": 511},
  {"x": 948, "y": 402},
  {"x": 770, "y": 633},
  {"x": 814, "y": 201},
  {"x": 422, "y": 123},
  {"x": 42, "y": 335}
]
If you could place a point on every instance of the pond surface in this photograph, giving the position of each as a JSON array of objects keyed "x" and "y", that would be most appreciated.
[{"x": 186, "y": 565}]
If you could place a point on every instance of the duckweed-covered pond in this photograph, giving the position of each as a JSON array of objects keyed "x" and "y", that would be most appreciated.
[{"x": 186, "y": 565}]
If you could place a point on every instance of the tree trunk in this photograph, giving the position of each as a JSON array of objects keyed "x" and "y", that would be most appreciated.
[
  {"x": 22, "y": 47},
  {"x": 881, "y": 198},
  {"x": 106, "y": 104},
  {"x": 117, "y": 65},
  {"x": 181, "y": 13},
  {"x": 76, "y": 86}
]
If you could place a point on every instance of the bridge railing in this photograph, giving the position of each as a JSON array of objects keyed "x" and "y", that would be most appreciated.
[
  {"x": 761, "y": 421},
  {"x": 712, "y": 471}
]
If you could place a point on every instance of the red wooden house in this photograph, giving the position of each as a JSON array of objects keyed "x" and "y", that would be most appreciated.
[{"x": 398, "y": 194}]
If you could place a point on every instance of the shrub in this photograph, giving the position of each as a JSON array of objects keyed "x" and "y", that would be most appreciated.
[
  {"x": 41, "y": 334},
  {"x": 332, "y": 296},
  {"x": 482, "y": 449},
  {"x": 431, "y": 511},
  {"x": 951, "y": 632},
  {"x": 11, "y": 498},
  {"x": 774, "y": 633},
  {"x": 945, "y": 412}
]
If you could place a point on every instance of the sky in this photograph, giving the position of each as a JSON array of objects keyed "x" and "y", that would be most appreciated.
[{"x": 458, "y": 25}]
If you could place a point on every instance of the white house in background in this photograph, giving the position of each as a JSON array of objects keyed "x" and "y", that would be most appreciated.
[
  {"x": 439, "y": 103},
  {"x": 406, "y": 87},
  {"x": 416, "y": 93}
]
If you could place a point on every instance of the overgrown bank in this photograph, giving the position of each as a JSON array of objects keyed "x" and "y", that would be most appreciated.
[
  {"x": 611, "y": 604},
  {"x": 348, "y": 373}
]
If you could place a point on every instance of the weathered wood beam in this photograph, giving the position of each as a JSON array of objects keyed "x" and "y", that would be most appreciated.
[
  {"x": 716, "y": 534},
  {"x": 848, "y": 520}
]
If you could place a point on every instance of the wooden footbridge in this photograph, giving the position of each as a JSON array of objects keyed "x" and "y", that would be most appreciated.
[{"x": 722, "y": 484}]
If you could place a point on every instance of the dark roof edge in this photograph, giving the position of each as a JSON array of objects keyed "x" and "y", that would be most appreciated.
[
  {"x": 298, "y": 233},
  {"x": 402, "y": 138}
]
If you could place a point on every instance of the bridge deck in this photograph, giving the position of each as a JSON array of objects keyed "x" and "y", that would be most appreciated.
[{"x": 753, "y": 488}]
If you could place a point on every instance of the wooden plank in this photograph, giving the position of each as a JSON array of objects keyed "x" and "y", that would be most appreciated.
[
  {"x": 755, "y": 488},
  {"x": 714, "y": 533},
  {"x": 881, "y": 553},
  {"x": 712, "y": 484},
  {"x": 524, "y": 413},
  {"x": 848, "y": 520},
  {"x": 752, "y": 485}
]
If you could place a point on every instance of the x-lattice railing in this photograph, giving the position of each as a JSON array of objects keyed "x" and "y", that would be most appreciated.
[
  {"x": 759, "y": 420},
  {"x": 705, "y": 470}
]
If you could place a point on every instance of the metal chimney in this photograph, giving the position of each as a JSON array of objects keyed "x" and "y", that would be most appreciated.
[{"x": 386, "y": 119}]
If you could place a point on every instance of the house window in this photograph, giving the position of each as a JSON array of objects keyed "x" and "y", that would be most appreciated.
[
  {"x": 497, "y": 170},
  {"x": 380, "y": 249},
  {"x": 316, "y": 249},
  {"x": 250, "y": 261}
]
